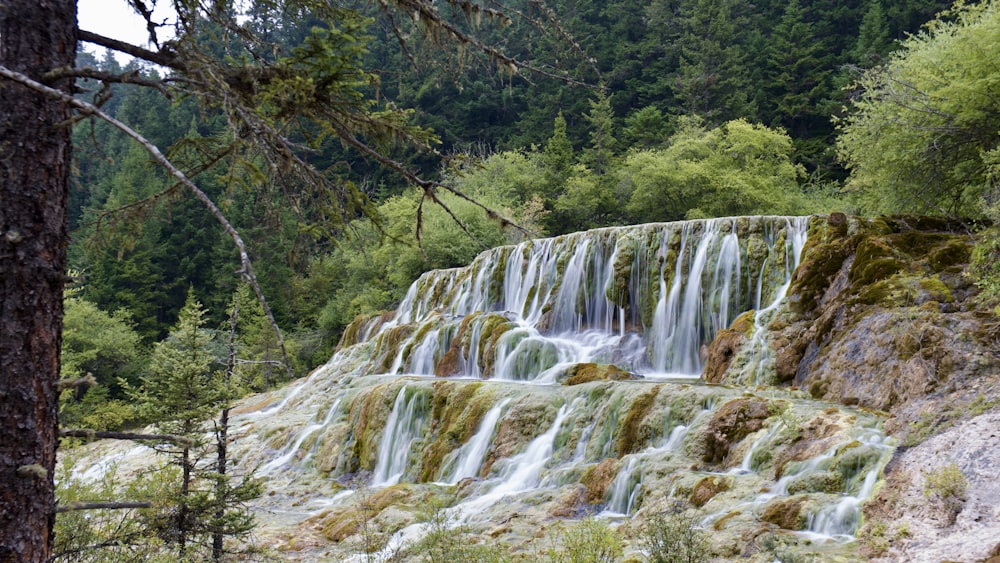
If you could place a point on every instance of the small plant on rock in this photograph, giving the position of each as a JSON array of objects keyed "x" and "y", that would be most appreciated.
[
  {"x": 947, "y": 486},
  {"x": 589, "y": 541},
  {"x": 672, "y": 536}
]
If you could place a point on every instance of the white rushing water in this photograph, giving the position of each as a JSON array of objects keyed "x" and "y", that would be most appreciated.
[
  {"x": 645, "y": 299},
  {"x": 605, "y": 296},
  {"x": 402, "y": 428},
  {"x": 468, "y": 459},
  {"x": 289, "y": 453}
]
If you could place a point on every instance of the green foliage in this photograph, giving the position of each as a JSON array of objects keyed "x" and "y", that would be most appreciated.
[
  {"x": 258, "y": 356},
  {"x": 984, "y": 266},
  {"x": 105, "y": 536},
  {"x": 646, "y": 128},
  {"x": 945, "y": 482},
  {"x": 874, "y": 42},
  {"x": 736, "y": 169},
  {"x": 106, "y": 347},
  {"x": 372, "y": 271},
  {"x": 446, "y": 542},
  {"x": 917, "y": 136},
  {"x": 182, "y": 389},
  {"x": 712, "y": 78},
  {"x": 181, "y": 393},
  {"x": 673, "y": 536},
  {"x": 946, "y": 487},
  {"x": 589, "y": 541}
]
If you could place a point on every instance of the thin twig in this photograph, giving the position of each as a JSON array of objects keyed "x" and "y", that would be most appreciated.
[{"x": 246, "y": 266}]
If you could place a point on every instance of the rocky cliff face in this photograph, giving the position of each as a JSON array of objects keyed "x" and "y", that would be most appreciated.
[{"x": 880, "y": 315}]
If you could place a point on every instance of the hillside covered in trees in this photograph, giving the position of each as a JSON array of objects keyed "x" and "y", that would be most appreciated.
[{"x": 678, "y": 110}]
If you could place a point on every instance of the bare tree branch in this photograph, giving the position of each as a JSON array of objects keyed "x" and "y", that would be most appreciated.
[
  {"x": 74, "y": 506},
  {"x": 246, "y": 266},
  {"x": 162, "y": 58},
  {"x": 130, "y": 77},
  {"x": 106, "y": 435}
]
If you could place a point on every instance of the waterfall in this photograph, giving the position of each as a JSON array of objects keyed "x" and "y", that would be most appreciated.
[
  {"x": 839, "y": 521},
  {"x": 624, "y": 490},
  {"x": 289, "y": 453},
  {"x": 645, "y": 298},
  {"x": 520, "y": 473},
  {"x": 475, "y": 359},
  {"x": 469, "y": 458},
  {"x": 402, "y": 428}
]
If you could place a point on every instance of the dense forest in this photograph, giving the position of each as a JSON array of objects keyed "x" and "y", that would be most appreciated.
[
  {"x": 620, "y": 113},
  {"x": 658, "y": 111}
]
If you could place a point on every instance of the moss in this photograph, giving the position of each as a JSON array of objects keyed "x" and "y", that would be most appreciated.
[
  {"x": 937, "y": 289},
  {"x": 451, "y": 361},
  {"x": 618, "y": 291},
  {"x": 856, "y": 459},
  {"x": 744, "y": 322},
  {"x": 815, "y": 272},
  {"x": 456, "y": 412},
  {"x": 351, "y": 332},
  {"x": 817, "y": 482},
  {"x": 366, "y": 410},
  {"x": 786, "y": 513},
  {"x": 598, "y": 478},
  {"x": 876, "y": 270},
  {"x": 389, "y": 342},
  {"x": 585, "y": 373},
  {"x": 707, "y": 487},
  {"x": 339, "y": 525},
  {"x": 493, "y": 329},
  {"x": 720, "y": 524},
  {"x": 629, "y": 435}
]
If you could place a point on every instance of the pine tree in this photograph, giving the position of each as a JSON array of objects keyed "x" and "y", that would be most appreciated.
[
  {"x": 712, "y": 80},
  {"x": 182, "y": 392},
  {"x": 601, "y": 152},
  {"x": 874, "y": 42},
  {"x": 797, "y": 74}
]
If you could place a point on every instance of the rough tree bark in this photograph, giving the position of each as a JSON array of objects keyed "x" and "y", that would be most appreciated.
[{"x": 36, "y": 36}]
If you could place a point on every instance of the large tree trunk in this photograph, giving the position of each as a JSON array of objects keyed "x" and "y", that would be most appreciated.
[{"x": 36, "y": 36}]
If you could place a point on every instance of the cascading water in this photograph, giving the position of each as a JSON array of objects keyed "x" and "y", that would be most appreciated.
[
  {"x": 579, "y": 298},
  {"x": 293, "y": 449},
  {"x": 469, "y": 458},
  {"x": 402, "y": 428},
  {"x": 474, "y": 361}
]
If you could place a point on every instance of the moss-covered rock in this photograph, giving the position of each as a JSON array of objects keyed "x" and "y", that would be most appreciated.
[
  {"x": 731, "y": 423},
  {"x": 631, "y": 436},
  {"x": 725, "y": 345},
  {"x": 707, "y": 487},
  {"x": 585, "y": 373},
  {"x": 456, "y": 411},
  {"x": 881, "y": 316},
  {"x": 598, "y": 478},
  {"x": 787, "y": 513}
]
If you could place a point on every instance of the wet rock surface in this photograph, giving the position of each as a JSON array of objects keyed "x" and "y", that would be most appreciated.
[
  {"x": 909, "y": 521},
  {"x": 508, "y": 426}
]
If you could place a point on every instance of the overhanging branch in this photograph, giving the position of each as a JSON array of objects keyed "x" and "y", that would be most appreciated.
[
  {"x": 161, "y": 58},
  {"x": 74, "y": 506},
  {"x": 246, "y": 269},
  {"x": 105, "y": 435}
]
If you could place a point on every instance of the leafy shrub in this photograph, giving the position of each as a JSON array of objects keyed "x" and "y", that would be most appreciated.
[
  {"x": 947, "y": 486},
  {"x": 589, "y": 541},
  {"x": 672, "y": 536}
]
